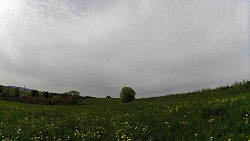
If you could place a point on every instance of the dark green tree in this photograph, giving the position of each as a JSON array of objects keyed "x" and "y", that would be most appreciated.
[
  {"x": 7, "y": 92},
  {"x": 16, "y": 92},
  {"x": 57, "y": 100},
  {"x": 127, "y": 94},
  {"x": 46, "y": 94},
  {"x": 1, "y": 88},
  {"x": 71, "y": 97},
  {"x": 34, "y": 93},
  {"x": 108, "y": 96}
]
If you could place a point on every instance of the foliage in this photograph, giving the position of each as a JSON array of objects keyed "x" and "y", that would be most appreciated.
[
  {"x": 34, "y": 93},
  {"x": 210, "y": 114},
  {"x": 73, "y": 93},
  {"x": 33, "y": 97},
  {"x": 204, "y": 115},
  {"x": 7, "y": 92},
  {"x": 108, "y": 96},
  {"x": 127, "y": 94},
  {"x": 16, "y": 92},
  {"x": 56, "y": 100},
  {"x": 71, "y": 98},
  {"x": 46, "y": 94},
  {"x": 1, "y": 89}
]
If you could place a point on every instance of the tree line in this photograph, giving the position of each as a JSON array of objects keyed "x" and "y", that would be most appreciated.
[
  {"x": 36, "y": 97},
  {"x": 127, "y": 94}
]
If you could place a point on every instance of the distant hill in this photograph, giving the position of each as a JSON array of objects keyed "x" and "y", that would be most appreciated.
[{"x": 20, "y": 88}]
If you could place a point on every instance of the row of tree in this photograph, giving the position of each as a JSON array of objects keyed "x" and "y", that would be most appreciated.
[
  {"x": 6, "y": 91},
  {"x": 72, "y": 97},
  {"x": 68, "y": 98}
]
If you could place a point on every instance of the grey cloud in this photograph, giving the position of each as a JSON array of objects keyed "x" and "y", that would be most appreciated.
[{"x": 97, "y": 47}]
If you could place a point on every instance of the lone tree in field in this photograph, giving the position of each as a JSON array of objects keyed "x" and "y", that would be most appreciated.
[
  {"x": 108, "y": 96},
  {"x": 72, "y": 97},
  {"x": 127, "y": 94}
]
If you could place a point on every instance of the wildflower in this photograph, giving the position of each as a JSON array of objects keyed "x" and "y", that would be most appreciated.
[
  {"x": 123, "y": 136},
  {"x": 246, "y": 121},
  {"x": 211, "y": 120}
]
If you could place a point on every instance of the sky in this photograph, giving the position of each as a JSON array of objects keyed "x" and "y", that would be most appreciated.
[{"x": 97, "y": 47}]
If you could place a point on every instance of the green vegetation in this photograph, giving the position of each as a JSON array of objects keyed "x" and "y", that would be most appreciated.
[
  {"x": 108, "y": 96},
  {"x": 127, "y": 94},
  {"x": 34, "y": 93},
  {"x": 218, "y": 114},
  {"x": 16, "y": 92},
  {"x": 12, "y": 92},
  {"x": 35, "y": 97}
]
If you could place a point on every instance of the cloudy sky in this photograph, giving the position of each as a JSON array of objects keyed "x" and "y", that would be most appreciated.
[{"x": 98, "y": 46}]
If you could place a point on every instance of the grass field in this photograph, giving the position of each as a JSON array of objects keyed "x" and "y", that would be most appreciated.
[{"x": 206, "y": 115}]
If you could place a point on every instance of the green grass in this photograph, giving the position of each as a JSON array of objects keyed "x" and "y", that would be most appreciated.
[{"x": 206, "y": 115}]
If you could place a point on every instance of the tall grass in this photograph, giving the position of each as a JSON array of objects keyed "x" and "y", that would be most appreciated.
[{"x": 220, "y": 114}]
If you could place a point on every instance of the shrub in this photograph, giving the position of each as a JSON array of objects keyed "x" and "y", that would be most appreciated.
[
  {"x": 16, "y": 92},
  {"x": 7, "y": 92},
  {"x": 34, "y": 93},
  {"x": 56, "y": 100},
  {"x": 46, "y": 94},
  {"x": 71, "y": 98},
  {"x": 108, "y": 96},
  {"x": 127, "y": 94},
  {"x": 1, "y": 89}
]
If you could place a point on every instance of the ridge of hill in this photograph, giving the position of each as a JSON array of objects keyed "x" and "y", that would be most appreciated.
[{"x": 20, "y": 88}]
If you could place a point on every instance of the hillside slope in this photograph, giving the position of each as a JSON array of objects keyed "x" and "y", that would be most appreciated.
[{"x": 219, "y": 114}]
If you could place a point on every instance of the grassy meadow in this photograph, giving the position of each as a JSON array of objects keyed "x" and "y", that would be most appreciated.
[{"x": 220, "y": 114}]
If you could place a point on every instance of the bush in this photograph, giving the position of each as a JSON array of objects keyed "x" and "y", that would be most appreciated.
[
  {"x": 46, "y": 94},
  {"x": 127, "y": 94},
  {"x": 71, "y": 98},
  {"x": 1, "y": 89},
  {"x": 56, "y": 100},
  {"x": 16, "y": 92},
  {"x": 108, "y": 96},
  {"x": 7, "y": 92},
  {"x": 34, "y": 93}
]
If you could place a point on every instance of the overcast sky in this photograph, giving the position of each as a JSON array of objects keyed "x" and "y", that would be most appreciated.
[{"x": 98, "y": 46}]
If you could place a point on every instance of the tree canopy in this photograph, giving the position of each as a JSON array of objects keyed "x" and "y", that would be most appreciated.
[{"x": 127, "y": 94}]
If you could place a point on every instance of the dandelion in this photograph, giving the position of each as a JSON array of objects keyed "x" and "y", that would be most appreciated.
[
  {"x": 123, "y": 136},
  {"x": 211, "y": 120},
  {"x": 246, "y": 121},
  {"x": 184, "y": 122}
]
